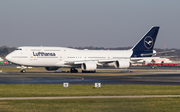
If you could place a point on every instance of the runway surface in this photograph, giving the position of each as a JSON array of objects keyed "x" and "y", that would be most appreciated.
[
  {"x": 149, "y": 78},
  {"x": 87, "y": 97}
]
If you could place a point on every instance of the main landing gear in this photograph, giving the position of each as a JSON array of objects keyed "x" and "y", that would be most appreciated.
[{"x": 74, "y": 70}]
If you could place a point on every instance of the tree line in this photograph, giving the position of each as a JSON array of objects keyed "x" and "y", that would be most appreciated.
[{"x": 4, "y": 50}]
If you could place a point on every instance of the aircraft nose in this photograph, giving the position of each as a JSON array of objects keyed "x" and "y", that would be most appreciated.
[{"x": 8, "y": 57}]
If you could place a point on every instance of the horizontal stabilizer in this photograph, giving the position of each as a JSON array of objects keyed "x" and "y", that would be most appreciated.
[{"x": 150, "y": 54}]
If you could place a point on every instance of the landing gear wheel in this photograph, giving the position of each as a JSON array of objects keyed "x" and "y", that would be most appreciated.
[
  {"x": 74, "y": 70},
  {"x": 23, "y": 71}
]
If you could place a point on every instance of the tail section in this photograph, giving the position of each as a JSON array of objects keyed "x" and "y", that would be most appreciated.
[{"x": 146, "y": 43}]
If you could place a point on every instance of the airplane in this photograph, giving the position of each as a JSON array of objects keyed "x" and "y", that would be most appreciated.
[
  {"x": 53, "y": 58},
  {"x": 1, "y": 59},
  {"x": 153, "y": 59}
]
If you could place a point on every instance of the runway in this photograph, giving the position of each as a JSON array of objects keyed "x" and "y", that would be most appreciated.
[
  {"x": 142, "y": 78},
  {"x": 88, "y": 97}
]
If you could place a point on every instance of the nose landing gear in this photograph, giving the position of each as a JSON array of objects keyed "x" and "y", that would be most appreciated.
[{"x": 23, "y": 70}]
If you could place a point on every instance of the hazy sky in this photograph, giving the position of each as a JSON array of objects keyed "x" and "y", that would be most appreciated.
[{"x": 100, "y": 23}]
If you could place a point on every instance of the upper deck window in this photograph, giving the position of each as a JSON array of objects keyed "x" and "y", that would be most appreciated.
[
  {"x": 51, "y": 50},
  {"x": 35, "y": 49},
  {"x": 18, "y": 49}
]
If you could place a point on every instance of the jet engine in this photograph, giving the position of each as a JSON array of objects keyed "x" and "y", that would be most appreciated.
[
  {"x": 88, "y": 66},
  {"x": 154, "y": 52},
  {"x": 121, "y": 64},
  {"x": 51, "y": 68}
]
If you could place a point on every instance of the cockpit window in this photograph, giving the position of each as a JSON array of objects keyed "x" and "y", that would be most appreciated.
[{"x": 18, "y": 49}]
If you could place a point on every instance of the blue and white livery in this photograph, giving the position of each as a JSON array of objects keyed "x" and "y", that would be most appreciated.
[{"x": 53, "y": 58}]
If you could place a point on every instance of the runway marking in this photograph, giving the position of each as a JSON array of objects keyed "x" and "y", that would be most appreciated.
[{"x": 87, "y": 97}]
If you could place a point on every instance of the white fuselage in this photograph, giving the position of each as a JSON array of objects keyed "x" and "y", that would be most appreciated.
[{"x": 57, "y": 56}]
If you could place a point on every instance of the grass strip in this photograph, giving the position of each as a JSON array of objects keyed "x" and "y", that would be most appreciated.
[
  {"x": 42, "y": 90},
  {"x": 93, "y": 105}
]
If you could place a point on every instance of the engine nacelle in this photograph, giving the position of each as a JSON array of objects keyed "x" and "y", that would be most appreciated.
[
  {"x": 122, "y": 64},
  {"x": 88, "y": 66},
  {"x": 51, "y": 68},
  {"x": 154, "y": 52}
]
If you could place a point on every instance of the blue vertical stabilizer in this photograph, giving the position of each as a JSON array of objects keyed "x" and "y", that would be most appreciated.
[{"x": 146, "y": 43}]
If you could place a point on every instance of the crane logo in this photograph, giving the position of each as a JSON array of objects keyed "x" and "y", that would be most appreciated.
[{"x": 148, "y": 42}]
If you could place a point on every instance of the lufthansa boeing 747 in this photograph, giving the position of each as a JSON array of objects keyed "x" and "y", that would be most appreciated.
[{"x": 53, "y": 58}]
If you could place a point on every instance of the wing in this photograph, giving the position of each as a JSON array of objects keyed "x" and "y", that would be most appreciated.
[
  {"x": 98, "y": 61},
  {"x": 118, "y": 63}
]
